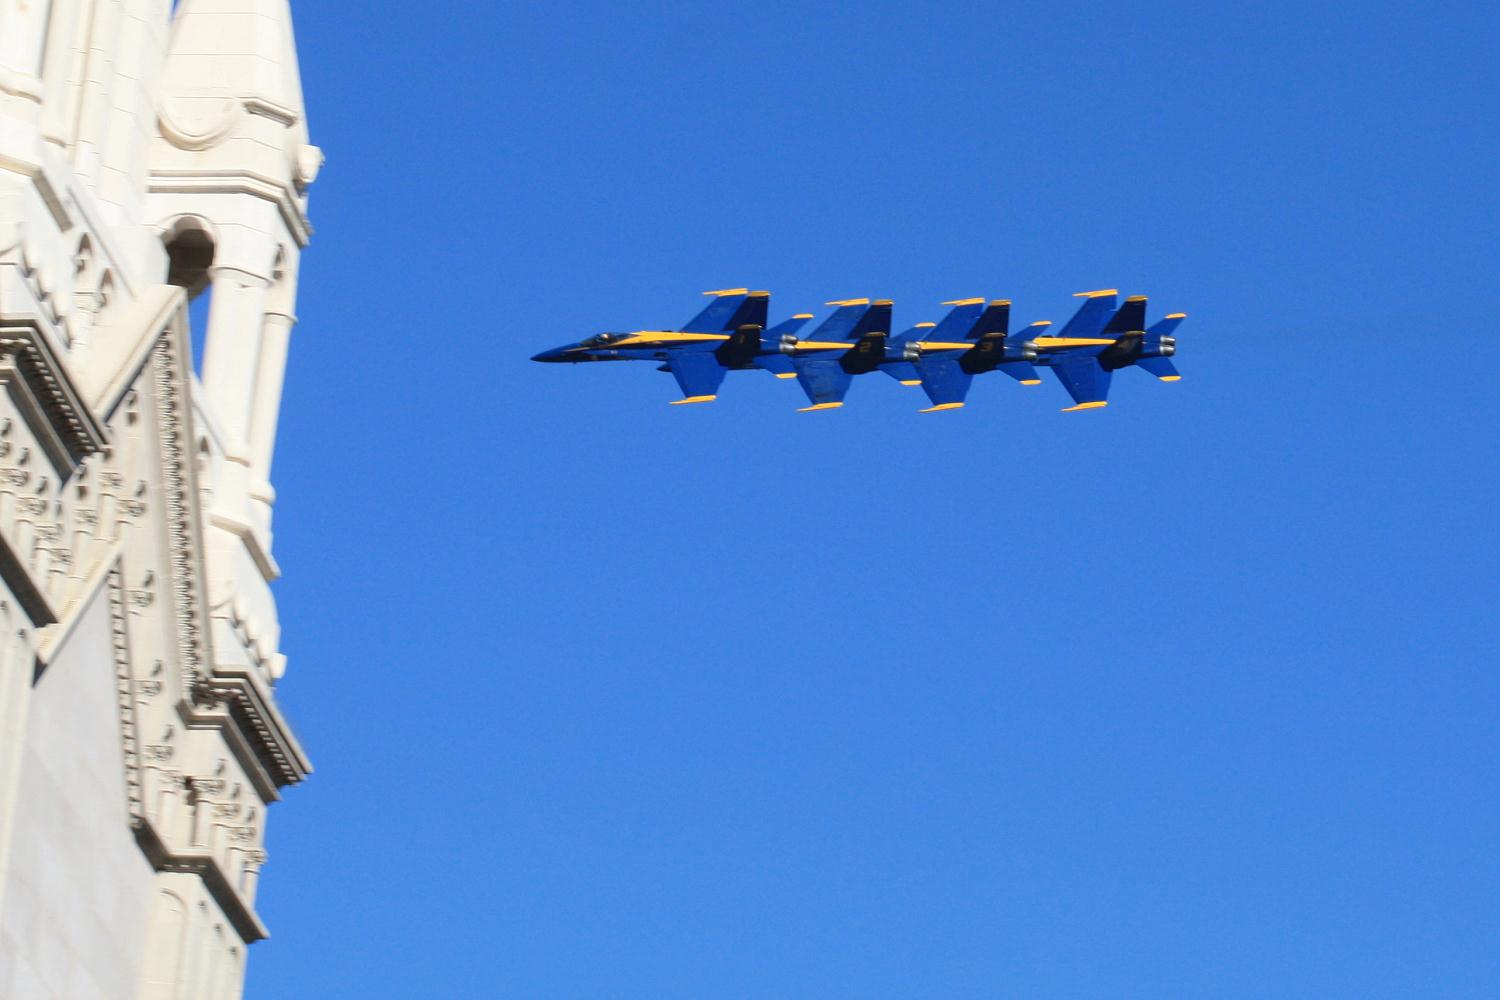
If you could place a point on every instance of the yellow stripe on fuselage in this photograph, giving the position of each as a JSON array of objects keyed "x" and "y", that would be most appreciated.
[
  {"x": 1046, "y": 342},
  {"x": 940, "y": 345},
  {"x": 823, "y": 345},
  {"x": 645, "y": 337}
]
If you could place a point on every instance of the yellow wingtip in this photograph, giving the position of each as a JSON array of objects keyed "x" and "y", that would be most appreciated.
[
  {"x": 803, "y": 316},
  {"x": 965, "y": 302},
  {"x": 760, "y": 295},
  {"x": 1031, "y": 381},
  {"x": 786, "y": 374},
  {"x": 1095, "y": 295},
  {"x": 924, "y": 326},
  {"x": 1170, "y": 378},
  {"x": 820, "y": 406},
  {"x": 1097, "y": 405},
  {"x": 694, "y": 399},
  {"x": 911, "y": 381},
  {"x": 942, "y": 406},
  {"x": 1040, "y": 322},
  {"x": 1136, "y": 298},
  {"x": 848, "y": 302},
  {"x": 1177, "y": 316},
  {"x": 729, "y": 291}
]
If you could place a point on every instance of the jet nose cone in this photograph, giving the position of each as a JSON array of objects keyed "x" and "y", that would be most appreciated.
[{"x": 555, "y": 354}]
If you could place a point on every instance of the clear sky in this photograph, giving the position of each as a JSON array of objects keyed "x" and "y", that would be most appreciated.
[{"x": 1193, "y": 696}]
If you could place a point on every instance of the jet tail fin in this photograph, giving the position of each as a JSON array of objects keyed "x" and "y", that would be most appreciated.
[{"x": 1129, "y": 318}]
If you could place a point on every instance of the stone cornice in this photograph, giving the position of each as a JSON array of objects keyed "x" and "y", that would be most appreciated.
[
  {"x": 204, "y": 865},
  {"x": 237, "y": 703},
  {"x": 45, "y": 395},
  {"x": 282, "y": 193}
]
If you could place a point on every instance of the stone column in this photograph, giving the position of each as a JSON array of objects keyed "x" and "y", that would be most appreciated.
[
  {"x": 274, "y": 341},
  {"x": 23, "y": 28},
  {"x": 231, "y": 351}
]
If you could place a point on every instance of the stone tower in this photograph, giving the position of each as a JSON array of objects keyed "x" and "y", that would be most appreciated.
[{"x": 150, "y": 152}]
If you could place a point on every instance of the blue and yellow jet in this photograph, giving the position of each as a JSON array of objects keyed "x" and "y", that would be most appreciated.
[
  {"x": 972, "y": 339},
  {"x": 851, "y": 341},
  {"x": 728, "y": 335},
  {"x": 1102, "y": 338}
]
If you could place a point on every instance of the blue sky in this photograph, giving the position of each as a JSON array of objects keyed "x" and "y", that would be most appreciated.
[{"x": 1193, "y": 696}]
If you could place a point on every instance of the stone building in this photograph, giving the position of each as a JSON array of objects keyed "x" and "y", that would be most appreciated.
[{"x": 150, "y": 152}]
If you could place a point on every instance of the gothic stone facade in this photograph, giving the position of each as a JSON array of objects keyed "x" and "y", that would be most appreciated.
[{"x": 150, "y": 152}]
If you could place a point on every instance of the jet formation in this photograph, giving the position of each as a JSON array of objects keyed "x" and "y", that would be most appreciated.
[{"x": 731, "y": 334}]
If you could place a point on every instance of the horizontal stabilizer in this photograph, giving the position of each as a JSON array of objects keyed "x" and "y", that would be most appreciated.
[
  {"x": 1162, "y": 368},
  {"x": 902, "y": 371},
  {"x": 1022, "y": 371},
  {"x": 1165, "y": 327},
  {"x": 787, "y": 327},
  {"x": 777, "y": 364}
]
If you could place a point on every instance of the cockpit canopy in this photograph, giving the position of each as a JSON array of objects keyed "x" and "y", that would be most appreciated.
[{"x": 599, "y": 340}]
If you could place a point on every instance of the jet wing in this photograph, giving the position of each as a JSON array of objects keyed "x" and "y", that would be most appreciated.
[
  {"x": 1086, "y": 381},
  {"x": 824, "y": 380},
  {"x": 842, "y": 321},
  {"x": 1093, "y": 315},
  {"x": 698, "y": 373},
  {"x": 722, "y": 313},
  {"x": 944, "y": 381}
]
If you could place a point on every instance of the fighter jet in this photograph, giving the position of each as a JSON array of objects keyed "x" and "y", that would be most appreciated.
[
  {"x": 729, "y": 334},
  {"x": 972, "y": 339},
  {"x": 1101, "y": 339},
  {"x": 850, "y": 342}
]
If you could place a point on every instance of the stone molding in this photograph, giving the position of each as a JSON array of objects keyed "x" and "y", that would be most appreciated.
[
  {"x": 283, "y": 195},
  {"x": 40, "y": 388}
]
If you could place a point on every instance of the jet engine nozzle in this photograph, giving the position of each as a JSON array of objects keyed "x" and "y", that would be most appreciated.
[
  {"x": 788, "y": 343},
  {"x": 1168, "y": 346},
  {"x": 1027, "y": 351},
  {"x": 910, "y": 351}
]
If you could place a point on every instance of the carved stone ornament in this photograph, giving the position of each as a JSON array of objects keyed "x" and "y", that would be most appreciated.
[{"x": 197, "y": 123}]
